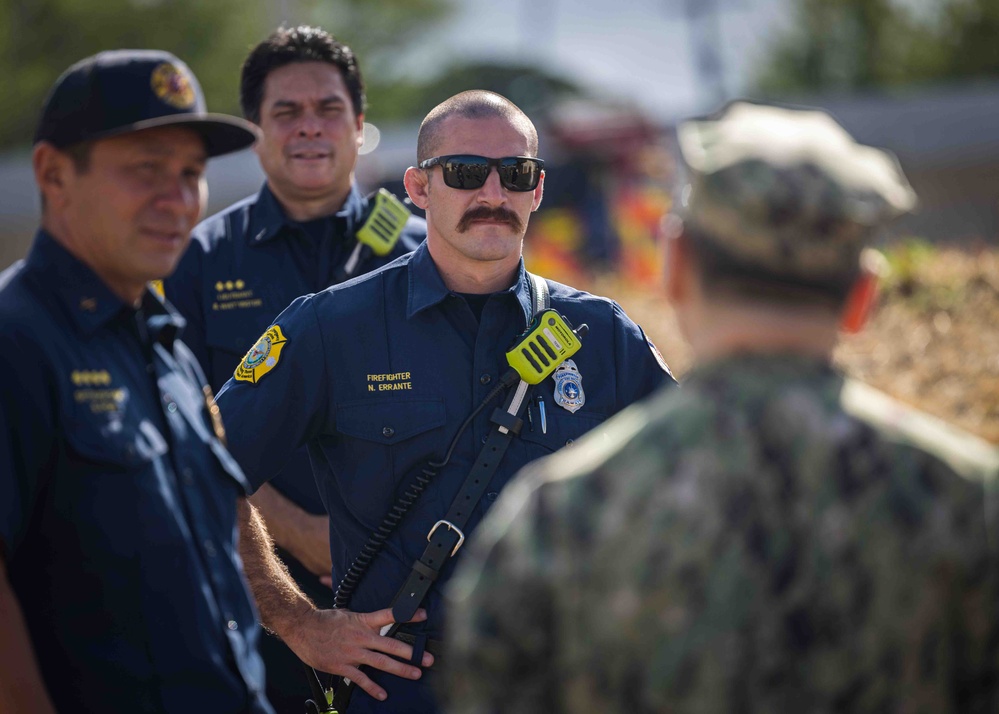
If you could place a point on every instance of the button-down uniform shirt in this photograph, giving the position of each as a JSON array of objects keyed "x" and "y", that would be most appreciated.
[
  {"x": 377, "y": 375},
  {"x": 245, "y": 265},
  {"x": 118, "y": 502}
]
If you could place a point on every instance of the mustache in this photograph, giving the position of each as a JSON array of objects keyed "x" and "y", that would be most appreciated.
[{"x": 490, "y": 214}]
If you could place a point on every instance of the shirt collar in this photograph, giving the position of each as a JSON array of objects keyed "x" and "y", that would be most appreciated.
[
  {"x": 427, "y": 288},
  {"x": 765, "y": 367},
  {"x": 163, "y": 323},
  {"x": 85, "y": 298},
  {"x": 267, "y": 216}
]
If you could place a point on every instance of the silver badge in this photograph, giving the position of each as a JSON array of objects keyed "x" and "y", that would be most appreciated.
[{"x": 569, "y": 386}]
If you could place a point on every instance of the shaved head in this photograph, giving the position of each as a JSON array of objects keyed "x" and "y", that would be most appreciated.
[{"x": 474, "y": 104}]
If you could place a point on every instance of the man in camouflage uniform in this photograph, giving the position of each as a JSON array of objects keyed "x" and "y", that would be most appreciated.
[{"x": 761, "y": 540}]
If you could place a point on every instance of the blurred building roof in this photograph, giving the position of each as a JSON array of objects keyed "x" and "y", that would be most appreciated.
[
  {"x": 929, "y": 127},
  {"x": 947, "y": 139}
]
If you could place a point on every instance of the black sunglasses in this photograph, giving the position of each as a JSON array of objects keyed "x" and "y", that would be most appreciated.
[{"x": 468, "y": 171}]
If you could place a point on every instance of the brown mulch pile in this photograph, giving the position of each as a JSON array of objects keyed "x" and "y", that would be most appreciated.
[{"x": 933, "y": 341}]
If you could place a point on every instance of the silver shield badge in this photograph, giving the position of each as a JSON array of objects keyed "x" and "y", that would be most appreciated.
[{"x": 569, "y": 386}]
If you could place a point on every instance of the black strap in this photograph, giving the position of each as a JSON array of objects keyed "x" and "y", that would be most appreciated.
[
  {"x": 434, "y": 647},
  {"x": 359, "y": 253},
  {"x": 540, "y": 298},
  {"x": 447, "y": 535}
]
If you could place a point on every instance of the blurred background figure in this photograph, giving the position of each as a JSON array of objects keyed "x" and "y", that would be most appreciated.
[
  {"x": 120, "y": 586},
  {"x": 768, "y": 538},
  {"x": 297, "y": 235}
]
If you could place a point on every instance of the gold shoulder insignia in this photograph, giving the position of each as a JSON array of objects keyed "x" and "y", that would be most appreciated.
[
  {"x": 262, "y": 357},
  {"x": 658, "y": 355}
]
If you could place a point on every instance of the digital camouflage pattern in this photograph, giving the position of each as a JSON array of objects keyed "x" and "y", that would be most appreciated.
[
  {"x": 740, "y": 545},
  {"x": 787, "y": 191}
]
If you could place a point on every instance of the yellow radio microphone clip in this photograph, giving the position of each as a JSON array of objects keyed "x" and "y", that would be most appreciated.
[
  {"x": 548, "y": 341},
  {"x": 384, "y": 225},
  {"x": 379, "y": 233}
]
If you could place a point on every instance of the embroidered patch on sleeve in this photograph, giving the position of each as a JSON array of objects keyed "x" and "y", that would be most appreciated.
[
  {"x": 262, "y": 357},
  {"x": 658, "y": 356}
]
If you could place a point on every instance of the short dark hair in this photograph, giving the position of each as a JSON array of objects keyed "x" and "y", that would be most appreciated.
[
  {"x": 473, "y": 104},
  {"x": 727, "y": 274},
  {"x": 79, "y": 153},
  {"x": 287, "y": 46}
]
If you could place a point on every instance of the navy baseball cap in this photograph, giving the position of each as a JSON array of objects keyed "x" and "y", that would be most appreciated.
[{"x": 119, "y": 91}]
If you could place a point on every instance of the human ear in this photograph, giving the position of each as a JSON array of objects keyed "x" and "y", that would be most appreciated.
[
  {"x": 50, "y": 166},
  {"x": 677, "y": 258},
  {"x": 539, "y": 192},
  {"x": 417, "y": 184},
  {"x": 859, "y": 301}
]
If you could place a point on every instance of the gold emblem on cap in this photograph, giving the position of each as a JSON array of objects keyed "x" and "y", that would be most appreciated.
[{"x": 172, "y": 85}]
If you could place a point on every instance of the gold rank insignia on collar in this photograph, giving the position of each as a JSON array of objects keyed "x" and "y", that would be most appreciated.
[{"x": 262, "y": 357}]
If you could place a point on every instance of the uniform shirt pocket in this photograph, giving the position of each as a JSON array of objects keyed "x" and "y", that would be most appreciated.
[
  {"x": 116, "y": 499},
  {"x": 389, "y": 422},
  {"x": 561, "y": 429},
  {"x": 379, "y": 444},
  {"x": 116, "y": 445}
]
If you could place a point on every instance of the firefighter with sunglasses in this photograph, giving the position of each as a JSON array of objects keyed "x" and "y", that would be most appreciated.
[{"x": 419, "y": 390}]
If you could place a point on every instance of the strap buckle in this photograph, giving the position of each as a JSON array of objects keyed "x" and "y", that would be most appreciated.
[{"x": 451, "y": 527}]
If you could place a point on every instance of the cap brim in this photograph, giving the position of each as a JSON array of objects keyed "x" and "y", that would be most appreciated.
[{"x": 223, "y": 134}]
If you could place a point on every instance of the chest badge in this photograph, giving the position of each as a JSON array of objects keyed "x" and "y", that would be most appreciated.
[
  {"x": 569, "y": 386},
  {"x": 262, "y": 357}
]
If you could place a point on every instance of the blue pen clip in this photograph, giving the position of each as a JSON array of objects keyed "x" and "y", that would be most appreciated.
[{"x": 542, "y": 414}]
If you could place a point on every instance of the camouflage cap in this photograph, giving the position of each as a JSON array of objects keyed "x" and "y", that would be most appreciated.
[{"x": 787, "y": 191}]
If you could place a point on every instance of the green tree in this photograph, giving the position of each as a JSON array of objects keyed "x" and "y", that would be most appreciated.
[
  {"x": 41, "y": 38},
  {"x": 862, "y": 44},
  {"x": 377, "y": 31},
  {"x": 531, "y": 88}
]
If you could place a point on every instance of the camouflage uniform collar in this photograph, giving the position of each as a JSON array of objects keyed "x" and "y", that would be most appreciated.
[{"x": 763, "y": 367}]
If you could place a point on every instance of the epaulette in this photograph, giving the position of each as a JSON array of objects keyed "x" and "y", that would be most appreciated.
[{"x": 968, "y": 454}]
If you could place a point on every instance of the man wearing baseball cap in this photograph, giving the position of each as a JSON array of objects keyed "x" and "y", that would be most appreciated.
[
  {"x": 768, "y": 538},
  {"x": 120, "y": 585}
]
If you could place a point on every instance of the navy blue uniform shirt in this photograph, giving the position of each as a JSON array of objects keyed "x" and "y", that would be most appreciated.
[
  {"x": 377, "y": 374},
  {"x": 245, "y": 265},
  {"x": 118, "y": 502}
]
